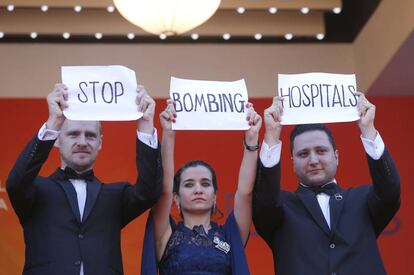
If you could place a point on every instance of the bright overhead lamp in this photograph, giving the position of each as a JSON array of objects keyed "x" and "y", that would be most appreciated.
[
  {"x": 77, "y": 8},
  {"x": 163, "y": 36},
  {"x": 320, "y": 36},
  {"x": 305, "y": 10},
  {"x": 169, "y": 17},
  {"x": 226, "y": 36},
  {"x": 337, "y": 10},
  {"x": 258, "y": 36},
  {"x": 66, "y": 35},
  {"x": 240, "y": 10},
  {"x": 273, "y": 10},
  {"x": 288, "y": 36},
  {"x": 110, "y": 9}
]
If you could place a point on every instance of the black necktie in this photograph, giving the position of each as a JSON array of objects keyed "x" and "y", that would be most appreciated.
[
  {"x": 328, "y": 188},
  {"x": 71, "y": 174}
]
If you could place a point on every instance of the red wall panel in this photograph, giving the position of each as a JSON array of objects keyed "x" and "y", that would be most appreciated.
[{"x": 21, "y": 118}]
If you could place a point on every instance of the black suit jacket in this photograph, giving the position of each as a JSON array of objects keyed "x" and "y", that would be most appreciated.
[
  {"x": 57, "y": 241},
  {"x": 293, "y": 225}
]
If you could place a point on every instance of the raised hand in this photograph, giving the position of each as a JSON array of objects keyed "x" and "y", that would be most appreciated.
[
  {"x": 146, "y": 105},
  {"x": 56, "y": 102},
  {"x": 272, "y": 118},
  {"x": 167, "y": 117},
  {"x": 255, "y": 122},
  {"x": 367, "y": 116}
]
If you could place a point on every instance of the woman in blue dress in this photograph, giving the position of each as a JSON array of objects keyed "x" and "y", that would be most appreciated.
[{"x": 196, "y": 245}]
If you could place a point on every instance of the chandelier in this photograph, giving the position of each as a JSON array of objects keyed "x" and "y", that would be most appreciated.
[{"x": 168, "y": 17}]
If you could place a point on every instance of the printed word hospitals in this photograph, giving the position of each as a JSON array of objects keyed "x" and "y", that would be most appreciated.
[{"x": 319, "y": 95}]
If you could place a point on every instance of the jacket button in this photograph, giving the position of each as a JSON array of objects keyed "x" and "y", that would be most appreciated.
[
  {"x": 333, "y": 273},
  {"x": 77, "y": 262},
  {"x": 80, "y": 236},
  {"x": 332, "y": 245}
]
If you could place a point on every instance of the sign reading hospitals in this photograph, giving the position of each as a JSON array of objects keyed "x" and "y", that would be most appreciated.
[
  {"x": 318, "y": 98},
  {"x": 100, "y": 93},
  {"x": 209, "y": 105}
]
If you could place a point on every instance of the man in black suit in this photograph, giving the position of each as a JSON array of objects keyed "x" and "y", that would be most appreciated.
[
  {"x": 72, "y": 221},
  {"x": 321, "y": 228}
]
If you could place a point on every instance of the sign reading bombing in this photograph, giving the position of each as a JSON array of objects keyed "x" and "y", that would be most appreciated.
[
  {"x": 209, "y": 105},
  {"x": 317, "y": 98}
]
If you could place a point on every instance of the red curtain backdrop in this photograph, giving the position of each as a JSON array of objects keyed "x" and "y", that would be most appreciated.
[{"x": 21, "y": 119}]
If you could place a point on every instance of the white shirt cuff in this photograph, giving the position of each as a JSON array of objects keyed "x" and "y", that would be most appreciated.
[
  {"x": 47, "y": 134},
  {"x": 374, "y": 148},
  {"x": 270, "y": 156},
  {"x": 148, "y": 139}
]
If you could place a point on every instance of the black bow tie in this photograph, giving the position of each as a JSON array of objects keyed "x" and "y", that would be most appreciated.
[
  {"x": 328, "y": 188},
  {"x": 72, "y": 174}
]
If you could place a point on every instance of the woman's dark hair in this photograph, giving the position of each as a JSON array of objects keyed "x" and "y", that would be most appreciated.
[
  {"x": 303, "y": 128},
  {"x": 194, "y": 163}
]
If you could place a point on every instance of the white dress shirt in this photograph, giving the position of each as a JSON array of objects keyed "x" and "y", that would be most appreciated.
[
  {"x": 270, "y": 156},
  {"x": 79, "y": 184}
]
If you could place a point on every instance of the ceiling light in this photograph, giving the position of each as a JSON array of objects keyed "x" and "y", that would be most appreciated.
[
  {"x": 98, "y": 35},
  {"x": 1, "y": 35},
  {"x": 337, "y": 10},
  {"x": 44, "y": 8},
  {"x": 240, "y": 10},
  {"x": 288, "y": 36},
  {"x": 320, "y": 36},
  {"x": 131, "y": 35},
  {"x": 66, "y": 35},
  {"x": 258, "y": 36},
  {"x": 163, "y": 36},
  {"x": 10, "y": 8},
  {"x": 77, "y": 8},
  {"x": 169, "y": 17},
  {"x": 33, "y": 35},
  {"x": 272, "y": 10},
  {"x": 305, "y": 10},
  {"x": 110, "y": 9},
  {"x": 194, "y": 36},
  {"x": 226, "y": 36}
]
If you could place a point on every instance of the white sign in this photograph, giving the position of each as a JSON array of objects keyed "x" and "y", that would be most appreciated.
[
  {"x": 100, "y": 93},
  {"x": 318, "y": 98},
  {"x": 209, "y": 105}
]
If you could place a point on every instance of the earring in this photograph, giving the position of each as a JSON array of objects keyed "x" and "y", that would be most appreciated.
[{"x": 214, "y": 208}]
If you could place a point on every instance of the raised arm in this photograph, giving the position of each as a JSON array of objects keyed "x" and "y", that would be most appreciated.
[
  {"x": 20, "y": 180},
  {"x": 384, "y": 196},
  {"x": 145, "y": 193},
  {"x": 247, "y": 173},
  {"x": 267, "y": 210},
  {"x": 161, "y": 211}
]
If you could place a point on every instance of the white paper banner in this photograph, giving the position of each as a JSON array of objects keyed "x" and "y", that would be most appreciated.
[
  {"x": 318, "y": 98},
  {"x": 209, "y": 105},
  {"x": 100, "y": 93}
]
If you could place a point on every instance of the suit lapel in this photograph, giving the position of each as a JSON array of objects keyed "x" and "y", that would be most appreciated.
[
  {"x": 59, "y": 177},
  {"x": 92, "y": 191},
  {"x": 336, "y": 207},
  {"x": 312, "y": 205}
]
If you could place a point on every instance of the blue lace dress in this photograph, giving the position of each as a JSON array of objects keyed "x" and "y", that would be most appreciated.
[{"x": 194, "y": 251}]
